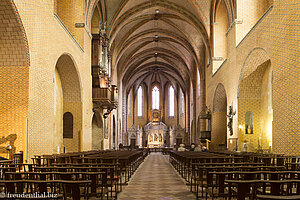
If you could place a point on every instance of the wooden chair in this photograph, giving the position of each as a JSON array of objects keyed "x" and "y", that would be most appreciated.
[{"x": 269, "y": 197}]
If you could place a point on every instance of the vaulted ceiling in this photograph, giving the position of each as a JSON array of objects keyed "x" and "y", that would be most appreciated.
[{"x": 154, "y": 40}]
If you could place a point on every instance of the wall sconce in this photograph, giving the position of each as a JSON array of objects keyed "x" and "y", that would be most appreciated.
[
  {"x": 270, "y": 147},
  {"x": 8, "y": 148},
  {"x": 238, "y": 21},
  {"x": 79, "y": 25}
]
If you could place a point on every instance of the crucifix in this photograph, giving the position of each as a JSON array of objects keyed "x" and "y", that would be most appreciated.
[{"x": 230, "y": 120}]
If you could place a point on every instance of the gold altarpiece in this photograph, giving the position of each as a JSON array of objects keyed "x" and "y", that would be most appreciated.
[{"x": 156, "y": 132}]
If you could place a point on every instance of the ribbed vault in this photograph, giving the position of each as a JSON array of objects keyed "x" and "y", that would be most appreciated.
[
  {"x": 158, "y": 41},
  {"x": 171, "y": 33}
]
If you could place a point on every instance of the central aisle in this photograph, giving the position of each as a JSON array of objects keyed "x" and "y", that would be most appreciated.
[{"x": 156, "y": 179}]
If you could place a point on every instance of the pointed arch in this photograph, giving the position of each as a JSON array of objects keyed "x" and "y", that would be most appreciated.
[
  {"x": 14, "y": 78},
  {"x": 155, "y": 98},
  {"x": 171, "y": 101},
  {"x": 198, "y": 84},
  {"x": 220, "y": 27},
  {"x": 70, "y": 101},
  {"x": 255, "y": 89},
  {"x": 140, "y": 101},
  {"x": 219, "y": 119}
]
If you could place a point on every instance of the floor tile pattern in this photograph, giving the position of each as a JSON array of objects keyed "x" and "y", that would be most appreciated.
[{"x": 156, "y": 180}]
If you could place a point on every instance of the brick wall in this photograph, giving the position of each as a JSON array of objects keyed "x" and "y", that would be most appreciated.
[
  {"x": 71, "y": 12},
  {"x": 250, "y": 11},
  {"x": 276, "y": 34},
  {"x": 14, "y": 78},
  {"x": 48, "y": 40}
]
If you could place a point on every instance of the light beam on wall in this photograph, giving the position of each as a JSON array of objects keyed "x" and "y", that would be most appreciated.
[{"x": 269, "y": 132}]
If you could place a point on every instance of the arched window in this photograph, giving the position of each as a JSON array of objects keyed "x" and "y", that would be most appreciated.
[
  {"x": 182, "y": 103},
  {"x": 68, "y": 125},
  {"x": 155, "y": 98},
  {"x": 198, "y": 83},
  {"x": 220, "y": 28},
  {"x": 129, "y": 103},
  {"x": 140, "y": 101},
  {"x": 171, "y": 101}
]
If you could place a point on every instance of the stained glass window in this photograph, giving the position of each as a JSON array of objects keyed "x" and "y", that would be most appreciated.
[
  {"x": 140, "y": 102},
  {"x": 155, "y": 98},
  {"x": 171, "y": 101}
]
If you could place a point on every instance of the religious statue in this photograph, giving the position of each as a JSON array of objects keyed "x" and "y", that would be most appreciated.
[
  {"x": 10, "y": 148},
  {"x": 151, "y": 138},
  {"x": 206, "y": 110},
  {"x": 155, "y": 115},
  {"x": 248, "y": 130},
  {"x": 249, "y": 122},
  {"x": 155, "y": 138},
  {"x": 230, "y": 120}
]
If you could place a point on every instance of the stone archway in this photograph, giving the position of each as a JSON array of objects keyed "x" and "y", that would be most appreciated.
[
  {"x": 97, "y": 131},
  {"x": 255, "y": 109},
  {"x": 67, "y": 99},
  {"x": 219, "y": 120},
  {"x": 220, "y": 27},
  {"x": 14, "y": 80}
]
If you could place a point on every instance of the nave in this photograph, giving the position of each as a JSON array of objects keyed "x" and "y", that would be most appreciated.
[
  {"x": 89, "y": 89},
  {"x": 156, "y": 179}
]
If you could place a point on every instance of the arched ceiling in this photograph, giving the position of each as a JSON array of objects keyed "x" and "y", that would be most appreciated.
[{"x": 157, "y": 39}]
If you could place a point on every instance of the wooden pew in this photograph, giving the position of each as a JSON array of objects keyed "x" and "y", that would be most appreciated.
[
  {"x": 277, "y": 187},
  {"x": 113, "y": 163},
  {"x": 97, "y": 187},
  {"x": 41, "y": 187}
]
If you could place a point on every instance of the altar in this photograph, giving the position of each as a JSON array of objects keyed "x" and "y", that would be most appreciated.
[{"x": 156, "y": 133}]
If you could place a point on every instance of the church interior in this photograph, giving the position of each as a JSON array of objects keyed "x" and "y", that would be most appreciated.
[{"x": 150, "y": 99}]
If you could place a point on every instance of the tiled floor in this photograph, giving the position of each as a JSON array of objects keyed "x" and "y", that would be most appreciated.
[{"x": 156, "y": 180}]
